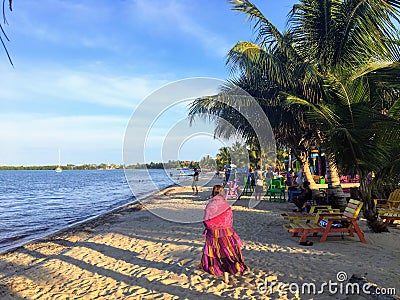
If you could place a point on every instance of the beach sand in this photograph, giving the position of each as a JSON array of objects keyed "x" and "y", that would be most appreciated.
[{"x": 134, "y": 254}]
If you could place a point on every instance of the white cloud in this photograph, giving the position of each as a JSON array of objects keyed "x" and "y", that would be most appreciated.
[
  {"x": 34, "y": 138},
  {"x": 51, "y": 83},
  {"x": 65, "y": 23}
]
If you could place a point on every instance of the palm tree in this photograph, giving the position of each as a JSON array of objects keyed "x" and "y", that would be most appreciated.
[
  {"x": 323, "y": 38},
  {"x": 223, "y": 157},
  {"x": 354, "y": 45},
  {"x": 264, "y": 73},
  {"x": 327, "y": 44},
  {"x": 358, "y": 137}
]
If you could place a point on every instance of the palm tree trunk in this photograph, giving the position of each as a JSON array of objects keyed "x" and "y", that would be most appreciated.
[
  {"x": 303, "y": 158},
  {"x": 335, "y": 192},
  {"x": 369, "y": 208}
]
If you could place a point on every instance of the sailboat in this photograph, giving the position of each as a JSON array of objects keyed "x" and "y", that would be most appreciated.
[{"x": 59, "y": 169}]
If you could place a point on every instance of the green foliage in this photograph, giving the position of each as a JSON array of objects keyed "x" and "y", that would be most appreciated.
[
  {"x": 223, "y": 157},
  {"x": 171, "y": 164},
  {"x": 331, "y": 79},
  {"x": 208, "y": 162}
]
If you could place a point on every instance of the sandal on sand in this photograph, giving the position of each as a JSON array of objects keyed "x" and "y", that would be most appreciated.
[{"x": 306, "y": 243}]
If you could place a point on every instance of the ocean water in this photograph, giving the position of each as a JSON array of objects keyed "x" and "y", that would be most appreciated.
[{"x": 34, "y": 204}]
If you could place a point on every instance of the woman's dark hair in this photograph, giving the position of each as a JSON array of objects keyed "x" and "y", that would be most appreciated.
[{"x": 216, "y": 190}]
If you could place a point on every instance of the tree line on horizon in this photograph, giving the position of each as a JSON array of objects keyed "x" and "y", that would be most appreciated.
[{"x": 66, "y": 167}]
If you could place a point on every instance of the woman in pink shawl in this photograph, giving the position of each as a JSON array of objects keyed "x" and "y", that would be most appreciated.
[{"x": 221, "y": 252}]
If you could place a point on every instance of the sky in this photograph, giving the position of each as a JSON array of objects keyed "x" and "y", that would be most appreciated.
[{"x": 83, "y": 67}]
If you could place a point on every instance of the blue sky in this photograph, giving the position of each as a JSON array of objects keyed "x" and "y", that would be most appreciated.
[{"x": 82, "y": 67}]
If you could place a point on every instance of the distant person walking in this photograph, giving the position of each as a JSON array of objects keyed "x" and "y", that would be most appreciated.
[
  {"x": 221, "y": 253},
  {"x": 250, "y": 177},
  {"x": 195, "y": 181},
  {"x": 227, "y": 175},
  {"x": 259, "y": 179}
]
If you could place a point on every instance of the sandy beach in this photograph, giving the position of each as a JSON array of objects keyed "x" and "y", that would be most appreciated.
[{"x": 133, "y": 253}]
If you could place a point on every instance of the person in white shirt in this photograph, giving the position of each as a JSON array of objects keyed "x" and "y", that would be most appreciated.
[{"x": 259, "y": 179}]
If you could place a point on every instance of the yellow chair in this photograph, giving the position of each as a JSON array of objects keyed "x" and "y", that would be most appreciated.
[{"x": 393, "y": 202}]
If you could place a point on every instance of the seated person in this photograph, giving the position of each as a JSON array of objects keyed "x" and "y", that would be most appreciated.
[
  {"x": 301, "y": 200},
  {"x": 289, "y": 178},
  {"x": 322, "y": 198},
  {"x": 293, "y": 190}
]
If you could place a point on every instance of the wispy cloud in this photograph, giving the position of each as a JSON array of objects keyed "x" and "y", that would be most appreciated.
[
  {"x": 169, "y": 16},
  {"x": 34, "y": 138},
  {"x": 83, "y": 67},
  {"x": 52, "y": 83},
  {"x": 67, "y": 23}
]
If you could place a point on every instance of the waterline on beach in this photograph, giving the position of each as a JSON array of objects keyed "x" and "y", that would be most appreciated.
[{"x": 36, "y": 204}]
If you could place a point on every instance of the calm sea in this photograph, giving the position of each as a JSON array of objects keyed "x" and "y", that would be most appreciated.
[{"x": 34, "y": 204}]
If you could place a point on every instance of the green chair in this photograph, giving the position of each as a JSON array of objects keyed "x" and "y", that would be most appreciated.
[
  {"x": 275, "y": 184},
  {"x": 276, "y": 191},
  {"x": 248, "y": 188}
]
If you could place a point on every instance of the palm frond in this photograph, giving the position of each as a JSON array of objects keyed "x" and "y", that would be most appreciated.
[
  {"x": 250, "y": 58},
  {"x": 4, "y": 33},
  {"x": 268, "y": 36}
]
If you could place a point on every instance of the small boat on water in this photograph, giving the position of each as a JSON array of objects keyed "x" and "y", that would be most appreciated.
[{"x": 59, "y": 169}]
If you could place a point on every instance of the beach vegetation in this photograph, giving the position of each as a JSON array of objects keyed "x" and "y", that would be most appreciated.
[
  {"x": 207, "y": 162},
  {"x": 170, "y": 164},
  {"x": 330, "y": 80}
]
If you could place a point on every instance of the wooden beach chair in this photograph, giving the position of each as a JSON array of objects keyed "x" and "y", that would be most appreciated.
[
  {"x": 393, "y": 202},
  {"x": 347, "y": 220},
  {"x": 389, "y": 210},
  {"x": 296, "y": 217}
]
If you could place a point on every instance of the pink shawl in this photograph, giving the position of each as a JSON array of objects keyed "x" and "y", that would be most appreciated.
[{"x": 218, "y": 214}]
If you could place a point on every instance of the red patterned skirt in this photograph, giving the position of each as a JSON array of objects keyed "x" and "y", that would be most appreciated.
[{"x": 221, "y": 252}]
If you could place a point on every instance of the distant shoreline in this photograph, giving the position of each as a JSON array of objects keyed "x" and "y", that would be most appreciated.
[
  {"x": 104, "y": 166},
  {"x": 67, "y": 167}
]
